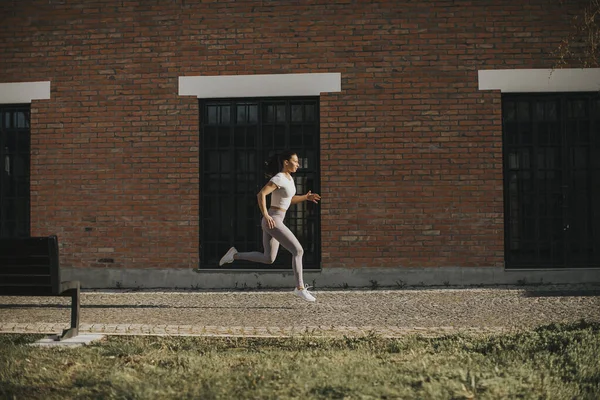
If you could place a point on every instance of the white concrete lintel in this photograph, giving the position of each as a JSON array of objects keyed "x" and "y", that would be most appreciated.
[
  {"x": 540, "y": 80},
  {"x": 273, "y": 85},
  {"x": 24, "y": 92}
]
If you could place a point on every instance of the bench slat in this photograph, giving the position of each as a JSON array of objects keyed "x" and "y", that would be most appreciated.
[
  {"x": 25, "y": 260},
  {"x": 7, "y": 277},
  {"x": 25, "y": 280},
  {"x": 21, "y": 285},
  {"x": 27, "y": 270},
  {"x": 34, "y": 265},
  {"x": 31, "y": 246},
  {"x": 32, "y": 261},
  {"x": 27, "y": 291}
]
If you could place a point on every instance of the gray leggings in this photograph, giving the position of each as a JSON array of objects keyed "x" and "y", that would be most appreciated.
[{"x": 271, "y": 240}]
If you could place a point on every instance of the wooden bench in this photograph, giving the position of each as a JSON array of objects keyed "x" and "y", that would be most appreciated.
[{"x": 29, "y": 267}]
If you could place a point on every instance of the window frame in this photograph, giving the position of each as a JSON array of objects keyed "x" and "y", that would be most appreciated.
[{"x": 312, "y": 259}]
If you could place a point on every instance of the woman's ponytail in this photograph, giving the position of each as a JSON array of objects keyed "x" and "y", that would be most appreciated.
[{"x": 274, "y": 165}]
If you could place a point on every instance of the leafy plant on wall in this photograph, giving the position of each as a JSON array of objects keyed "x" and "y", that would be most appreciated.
[{"x": 581, "y": 47}]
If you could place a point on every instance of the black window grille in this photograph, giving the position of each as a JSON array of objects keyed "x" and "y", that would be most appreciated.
[
  {"x": 14, "y": 171},
  {"x": 552, "y": 180},
  {"x": 237, "y": 136}
]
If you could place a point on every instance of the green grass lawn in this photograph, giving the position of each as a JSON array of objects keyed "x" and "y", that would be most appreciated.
[{"x": 551, "y": 362}]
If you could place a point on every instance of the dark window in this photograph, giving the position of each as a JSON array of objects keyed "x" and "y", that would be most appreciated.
[
  {"x": 236, "y": 138},
  {"x": 14, "y": 171},
  {"x": 552, "y": 180}
]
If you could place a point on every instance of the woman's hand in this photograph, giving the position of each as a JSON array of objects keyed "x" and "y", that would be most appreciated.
[
  {"x": 314, "y": 197},
  {"x": 270, "y": 221}
]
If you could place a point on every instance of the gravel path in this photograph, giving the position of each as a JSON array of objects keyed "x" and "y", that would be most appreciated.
[{"x": 278, "y": 313}]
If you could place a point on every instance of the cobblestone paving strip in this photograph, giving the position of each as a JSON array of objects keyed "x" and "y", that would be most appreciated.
[
  {"x": 256, "y": 331},
  {"x": 388, "y": 313}
]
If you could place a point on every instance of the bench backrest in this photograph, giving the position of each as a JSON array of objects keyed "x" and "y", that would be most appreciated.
[{"x": 29, "y": 266}]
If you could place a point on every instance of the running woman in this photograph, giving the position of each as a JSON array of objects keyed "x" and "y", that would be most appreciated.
[{"x": 282, "y": 189}]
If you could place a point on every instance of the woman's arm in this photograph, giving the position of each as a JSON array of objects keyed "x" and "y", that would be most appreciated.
[
  {"x": 298, "y": 199},
  {"x": 310, "y": 196},
  {"x": 262, "y": 202}
]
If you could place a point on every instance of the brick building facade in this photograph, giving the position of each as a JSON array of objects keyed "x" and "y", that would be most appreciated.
[{"x": 408, "y": 152}]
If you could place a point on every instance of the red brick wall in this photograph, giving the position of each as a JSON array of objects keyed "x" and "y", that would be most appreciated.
[{"x": 411, "y": 150}]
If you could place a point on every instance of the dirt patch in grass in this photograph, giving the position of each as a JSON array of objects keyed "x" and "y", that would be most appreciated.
[{"x": 554, "y": 362}]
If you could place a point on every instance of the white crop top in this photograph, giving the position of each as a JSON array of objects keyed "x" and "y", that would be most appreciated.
[{"x": 286, "y": 189}]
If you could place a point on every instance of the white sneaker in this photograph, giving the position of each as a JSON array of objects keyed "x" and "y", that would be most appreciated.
[
  {"x": 304, "y": 294},
  {"x": 228, "y": 257}
]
